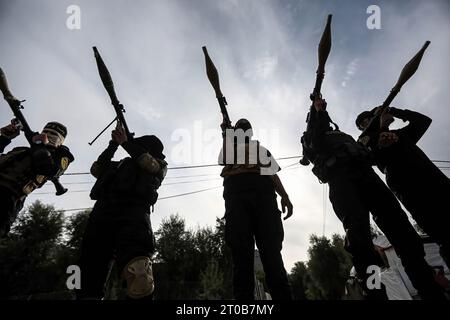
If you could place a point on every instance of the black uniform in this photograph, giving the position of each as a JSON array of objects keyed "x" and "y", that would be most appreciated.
[
  {"x": 422, "y": 188},
  {"x": 252, "y": 215},
  {"x": 22, "y": 170},
  {"x": 119, "y": 225},
  {"x": 4, "y": 141},
  {"x": 356, "y": 190}
]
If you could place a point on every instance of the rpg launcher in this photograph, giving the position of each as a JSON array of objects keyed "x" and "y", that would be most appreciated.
[
  {"x": 16, "y": 107},
  {"x": 108, "y": 83},
  {"x": 323, "y": 52},
  {"x": 407, "y": 72},
  {"x": 213, "y": 77}
]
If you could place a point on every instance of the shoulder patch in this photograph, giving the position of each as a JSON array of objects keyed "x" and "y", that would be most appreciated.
[
  {"x": 364, "y": 140},
  {"x": 64, "y": 163}
]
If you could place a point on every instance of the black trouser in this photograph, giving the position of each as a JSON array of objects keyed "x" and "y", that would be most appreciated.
[
  {"x": 254, "y": 216},
  {"x": 356, "y": 191},
  {"x": 428, "y": 202},
  {"x": 10, "y": 207},
  {"x": 119, "y": 234}
]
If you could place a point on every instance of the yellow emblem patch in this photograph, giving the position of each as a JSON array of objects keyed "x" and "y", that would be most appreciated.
[
  {"x": 64, "y": 163},
  {"x": 364, "y": 140}
]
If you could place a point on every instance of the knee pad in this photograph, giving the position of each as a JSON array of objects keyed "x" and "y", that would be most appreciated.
[{"x": 139, "y": 277}]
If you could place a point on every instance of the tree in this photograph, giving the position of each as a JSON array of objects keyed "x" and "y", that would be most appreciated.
[
  {"x": 328, "y": 265},
  {"x": 29, "y": 254},
  {"x": 224, "y": 259},
  {"x": 297, "y": 280},
  {"x": 211, "y": 282},
  {"x": 75, "y": 229},
  {"x": 175, "y": 246},
  {"x": 69, "y": 252},
  {"x": 323, "y": 277},
  {"x": 191, "y": 264}
]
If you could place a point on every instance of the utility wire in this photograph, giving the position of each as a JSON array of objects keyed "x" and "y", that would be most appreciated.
[
  {"x": 184, "y": 167},
  {"x": 189, "y": 193},
  {"x": 170, "y": 183},
  {"x": 289, "y": 167},
  {"x": 164, "y": 184},
  {"x": 216, "y": 165},
  {"x": 70, "y": 191},
  {"x": 194, "y": 167},
  {"x": 192, "y": 181},
  {"x": 191, "y": 176},
  {"x": 292, "y": 166},
  {"x": 162, "y": 198}
]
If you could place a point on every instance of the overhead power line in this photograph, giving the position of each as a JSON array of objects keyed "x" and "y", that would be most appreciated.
[
  {"x": 185, "y": 167},
  {"x": 76, "y": 209},
  {"x": 159, "y": 199},
  {"x": 164, "y": 184},
  {"x": 217, "y": 165},
  {"x": 191, "y": 176},
  {"x": 189, "y": 193}
]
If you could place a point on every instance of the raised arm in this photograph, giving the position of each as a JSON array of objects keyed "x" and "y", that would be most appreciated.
[
  {"x": 319, "y": 124},
  {"x": 225, "y": 141},
  {"x": 104, "y": 159},
  {"x": 7, "y": 133},
  {"x": 418, "y": 123}
]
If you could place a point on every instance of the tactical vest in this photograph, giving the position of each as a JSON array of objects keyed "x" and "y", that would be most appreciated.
[
  {"x": 338, "y": 149},
  {"x": 126, "y": 182},
  {"x": 250, "y": 160},
  {"x": 17, "y": 174}
]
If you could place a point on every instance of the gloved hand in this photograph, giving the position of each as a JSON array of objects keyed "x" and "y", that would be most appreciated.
[
  {"x": 320, "y": 104},
  {"x": 119, "y": 135},
  {"x": 225, "y": 125},
  {"x": 40, "y": 139},
  {"x": 42, "y": 161},
  {"x": 10, "y": 131},
  {"x": 386, "y": 119}
]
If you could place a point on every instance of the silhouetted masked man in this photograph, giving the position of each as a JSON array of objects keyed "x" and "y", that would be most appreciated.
[
  {"x": 251, "y": 212},
  {"x": 119, "y": 224},
  {"x": 355, "y": 191},
  {"x": 24, "y": 169},
  {"x": 416, "y": 181}
]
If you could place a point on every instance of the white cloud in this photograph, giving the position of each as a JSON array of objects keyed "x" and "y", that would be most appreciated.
[
  {"x": 350, "y": 71},
  {"x": 262, "y": 68}
]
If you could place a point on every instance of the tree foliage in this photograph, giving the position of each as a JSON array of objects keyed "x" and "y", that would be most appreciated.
[
  {"x": 188, "y": 264},
  {"x": 191, "y": 264},
  {"x": 29, "y": 255},
  {"x": 325, "y": 274}
]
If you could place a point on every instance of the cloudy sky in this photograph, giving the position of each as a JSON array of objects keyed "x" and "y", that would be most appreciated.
[{"x": 266, "y": 54}]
